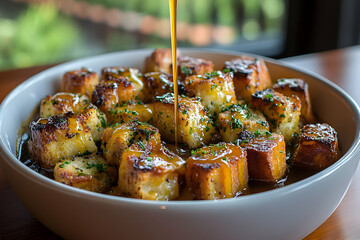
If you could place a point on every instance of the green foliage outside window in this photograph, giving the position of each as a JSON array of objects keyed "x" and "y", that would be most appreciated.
[
  {"x": 39, "y": 36},
  {"x": 42, "y": 34}
]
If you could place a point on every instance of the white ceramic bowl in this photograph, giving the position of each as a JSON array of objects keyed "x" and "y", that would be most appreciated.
[{"x": 291, "y": 212}]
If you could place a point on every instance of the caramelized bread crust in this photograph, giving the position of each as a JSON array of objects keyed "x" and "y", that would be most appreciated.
[
  {"x": 266, "y": 157},
  {"x": 282, "y": 113},
  {"x": 82, "y": 81},
  {"x": 300, "y": 88},
  {"x": 153, "y": 175},
  {"x": 318, "y": 147},
  {"x": 217, "y": 171},
  {"x": 250, "y": 75},
  {"x": 195, "y": 128},
  {"x": 215, "y": 89},
  {"x": 110, "y": 93},
  {"x": 119, "y": 137},
  {"x": 156, "y": 84},
  {"x": 188, "y": 66},
  {"x": 59, "y": 137}
]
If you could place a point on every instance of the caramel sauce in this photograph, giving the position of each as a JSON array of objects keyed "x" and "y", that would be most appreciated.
[{"x": 173, "y": 5}]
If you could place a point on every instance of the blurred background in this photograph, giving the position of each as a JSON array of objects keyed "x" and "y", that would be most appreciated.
[{"x": 41, "y": 32}]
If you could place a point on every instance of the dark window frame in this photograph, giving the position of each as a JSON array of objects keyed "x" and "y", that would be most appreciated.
[{"x": 320, "y": 25}]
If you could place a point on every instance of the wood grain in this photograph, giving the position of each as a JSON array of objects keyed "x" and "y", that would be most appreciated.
[{"x": 340, "y": 66}]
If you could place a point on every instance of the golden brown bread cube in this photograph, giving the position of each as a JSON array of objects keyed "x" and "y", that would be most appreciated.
[
  {"x": 78, "y": 104},
  {"x": 215, "y": 89},
  {"x": 119, "y": 137},
  {"x": 152, "y": 175},
  {"x": 156, "y": 84},
  {"x": 111, "y": 93},
  {"x": 218, "y": 171},
  {"x": 195, "y": 128},
  {"x": 133, "y": 75},
  {"x": 282, "y": 113},
  {"x": 266, "y": 157},
  {"x": 130, "y": 111},
  {"x": 300, "y": 88},
  {"x": 59, "y": 137},
  {"x": 160, "y": 61},
  {"x": 88, "y": 172},
  {"x": 188, "y": 66},
  {"x": 62, "y": 103},
  {"x": 82, "y": 81},
  {"x": 318, "y": 147},
  {"x": 250, "y": 75},
  {"x": 239, "y": 121}
]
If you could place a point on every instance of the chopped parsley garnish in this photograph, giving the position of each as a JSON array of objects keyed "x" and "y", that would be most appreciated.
[
  {"x": 102, "y": 121},
  {"x": 207, "y": 128},
  {"x": 64, "y": 164},
  {"x": 235, "y": 123},
  {"x": 186, "y": 71},
  {"x": 99, "y": 166},
  {"x": 141, "y": 144}
]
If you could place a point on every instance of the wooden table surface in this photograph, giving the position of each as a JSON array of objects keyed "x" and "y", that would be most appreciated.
[{"x": 340, "y": 66}]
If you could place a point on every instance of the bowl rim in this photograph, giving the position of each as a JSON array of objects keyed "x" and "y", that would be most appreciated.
[{"x": 14, "y": 162}]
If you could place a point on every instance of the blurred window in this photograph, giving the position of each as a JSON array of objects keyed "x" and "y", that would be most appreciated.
[{"x": 35, "y": 32}]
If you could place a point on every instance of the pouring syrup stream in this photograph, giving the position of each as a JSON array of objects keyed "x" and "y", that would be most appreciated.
[{"x": 172, "y": 5}]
